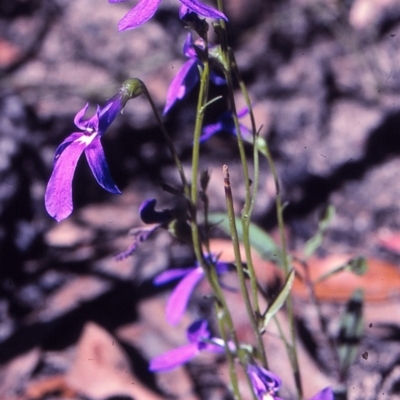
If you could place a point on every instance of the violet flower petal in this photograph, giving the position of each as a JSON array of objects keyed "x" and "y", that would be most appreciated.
[
  {"x": 173, "y": 358},
  {"x": 58, "y": 196},
  {"x": 150, "y": 216},
  {"x": 263, "y": 381},
  {"x": 204, "y": 10},
  {"x": 179, "y": 298},
  {"x": 325, "y": 394},
  {"x": 210, "y": 130},
  {"x": 188, "y": 49},
  {"x": 139, "y": 14},
  {"x": 78, "y": 120},
  {"x": 98, "y": 164},
  {"x": 183, "y": 10},
  {"x": 198, "y": 331},
  {"x": 183, "y": 82},
  {"x": 217, "y": 80},
  {"x": 109, "y": 112},
  {"x": 170, "y": 275}
]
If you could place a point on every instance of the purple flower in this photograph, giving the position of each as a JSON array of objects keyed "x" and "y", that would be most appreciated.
[
  {"x": 188, "y": 76},
  {"x": 264, "y": 382},
  {"x": 145, "y": 9},
  {"x": 226, "y": 124},
  {"x": 179, "y": 298},
  {"x": 267, "y": 384},
  {"x": 148, "y": 215},
  {"x": 199, "y": 338},
  {"x": 58, "y": 197}
]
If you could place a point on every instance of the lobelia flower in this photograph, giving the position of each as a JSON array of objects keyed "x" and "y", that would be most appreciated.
[
  {"x": 267, "y": 384},
  {"x": 199, "y": 338},
  {"x": 226, "y": 124},
  {"x": 145, "y": 9},
  {"x": 150, "y": 216},
  {"x": 188, "y": 76},
  {"x": 58, "y": 197},
  {"x": 179, "y": 298}
]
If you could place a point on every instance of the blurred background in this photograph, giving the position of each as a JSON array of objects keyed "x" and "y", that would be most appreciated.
[{"x": 324, "y": 78}]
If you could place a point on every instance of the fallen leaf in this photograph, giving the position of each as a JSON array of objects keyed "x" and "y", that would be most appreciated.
[
  {"x": 102, "y": 369},
  {"x": 381, "y": 282}
]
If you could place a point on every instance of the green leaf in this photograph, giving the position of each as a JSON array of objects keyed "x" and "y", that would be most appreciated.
[
  {"x": 276, "y": 305},
  {"x": 260, "y": 241}
]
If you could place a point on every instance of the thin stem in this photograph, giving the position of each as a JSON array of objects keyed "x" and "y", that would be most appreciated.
[
  {"x": 285, "y": 261},
  {"x": 236, "y": 248},
  {"x": 248, "y": 207},
  {"x": 170, "y": 143},
  {"x": 223, "y": 315}
]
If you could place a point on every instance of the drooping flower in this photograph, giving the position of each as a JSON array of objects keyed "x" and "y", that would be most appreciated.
[
  {"x": 148, "y": 214},
  {"x": 188, "y": 76},
  {"x": 179, "y": 298},
  {"x": 145, "y": 9},
  {"x": 226, "y": 124},
  {"x": 267, "y": 384},
  {"x": 199, "y": 338},
  {"x": 58, "y": 196}
]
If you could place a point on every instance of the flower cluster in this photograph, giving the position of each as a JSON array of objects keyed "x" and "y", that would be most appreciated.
[
  {"x": 59, "y": 202},
  {"x": 145, "y": 10}
]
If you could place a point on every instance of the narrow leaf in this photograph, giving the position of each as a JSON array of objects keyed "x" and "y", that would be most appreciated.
[
  {"x": 276, "y": 305},
  {"x": 260, "y": 241}
]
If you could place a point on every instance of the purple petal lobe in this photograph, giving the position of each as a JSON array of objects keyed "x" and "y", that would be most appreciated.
[
  {"x": 115, "y": 1},
  {"x": 183, "y": 10},
  {"x": 263, "y": 381},
  {"x": 204, "y": 10},
  {"x": 58, "y": 197},
  {"x": 216, "y": 79},
  {"x": 149, "y": 215},
  {"x": 139, "y": 14},
  {"x": 98, "y": 164},
  {"x": 198, "y": 331},
  {"x": 108, "y": 113},
  {"x": 79, "y": 117},
  {"x": 325, "y": 394},
  {"x": 173, "y": 358},
  {"x": 170, "y": 275},
  {"x": 183, "y": 82},
  {"x": 179, "y": 298},
  {"x": 210, "y": 130}
]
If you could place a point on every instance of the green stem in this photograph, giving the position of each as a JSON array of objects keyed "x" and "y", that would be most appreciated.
[
  {"x": 223, "y": 315},
  {"x": 248, "y": 206},
  {"x": 236, "y": 249}
]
